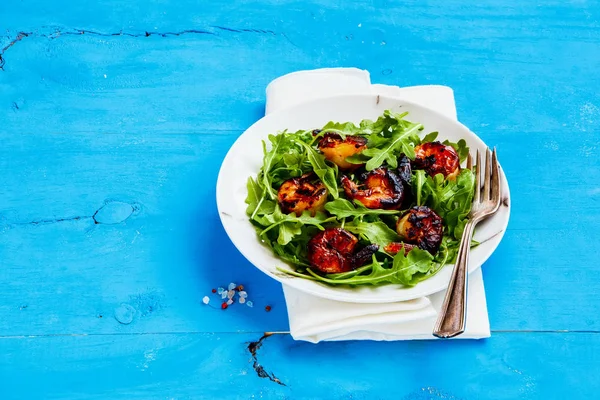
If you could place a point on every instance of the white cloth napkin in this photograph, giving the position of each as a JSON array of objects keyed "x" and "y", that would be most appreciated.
[{"x": 315, "y": 319}]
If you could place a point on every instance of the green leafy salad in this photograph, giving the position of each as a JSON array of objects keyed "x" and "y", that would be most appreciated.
[{"x": 378, "y": 203}]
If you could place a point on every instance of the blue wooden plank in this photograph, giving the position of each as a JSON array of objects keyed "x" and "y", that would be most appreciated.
[
  {"x": 208, "y": 366},
  {"x": 110, "y": 141},
  {"x": 173, "y": 244},
  {"x": 490, "y": 64},
  {"x": 156, "y": 243}
]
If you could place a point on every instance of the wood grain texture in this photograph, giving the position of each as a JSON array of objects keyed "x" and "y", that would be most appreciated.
[
  {"x": 208, "y": 366},
  {"x": 115, "y": 116}
]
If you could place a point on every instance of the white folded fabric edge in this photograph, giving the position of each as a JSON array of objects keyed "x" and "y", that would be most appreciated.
[{"x": 316, "y": 319}]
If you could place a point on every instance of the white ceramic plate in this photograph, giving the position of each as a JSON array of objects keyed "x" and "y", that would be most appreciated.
[{"x": 245, "y": 159}]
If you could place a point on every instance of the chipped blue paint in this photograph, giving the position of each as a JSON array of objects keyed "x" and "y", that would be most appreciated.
[
  {"x": 115, "y": 116},
  {"x": 124, "y": 314},
  {"x": 114, "y": 212}
]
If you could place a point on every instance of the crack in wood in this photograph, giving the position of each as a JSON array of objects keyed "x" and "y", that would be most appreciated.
[
  {"x": 53, "y": 221},
  {"x": 224, "y": 28},
  {"x": 94, "y": 217},
  {"x": 19, "y": 37},
  {"x": 134, "y": 35},
  {"x": 262, "y": 373},
  {"x": 60, "y": 32}
]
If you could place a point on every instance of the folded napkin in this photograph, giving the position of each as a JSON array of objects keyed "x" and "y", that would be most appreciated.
[{"x": 316, "y": 319}]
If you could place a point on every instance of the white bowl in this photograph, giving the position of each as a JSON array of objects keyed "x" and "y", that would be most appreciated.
[{"x": 245, "y": 159}]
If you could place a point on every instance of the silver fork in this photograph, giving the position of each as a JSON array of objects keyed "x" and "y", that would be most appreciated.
[{"x": 452, "y": 319}]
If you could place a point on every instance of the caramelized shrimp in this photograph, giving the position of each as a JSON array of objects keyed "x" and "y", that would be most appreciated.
[
  {"x": 437, "y": 158},
  {"x": 300, "y": 194},
  {"x": 336, "y": 149},
  {"x": 395, "y": 247},
  {"x": 384, "y": 189},
  {"x": 423, "y": 227},
  {"x": 333, "y": 251}
]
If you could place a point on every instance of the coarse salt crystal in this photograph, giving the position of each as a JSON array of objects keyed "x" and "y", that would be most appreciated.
[
  {"x": 242, "y": 300},
  {"x": 205, "y": 300},
  {"x": 231, "y": 286},
  {"x": 231, "y": 293},
  {"x": 229, "y": 302},
  {"x": 243, "y": 294},
  {"x": 249, "y": 303},
  {"x": 224, "y": 294},
  {"x": 220, "y": 290}
]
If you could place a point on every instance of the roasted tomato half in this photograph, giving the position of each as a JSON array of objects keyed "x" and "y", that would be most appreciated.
[
  {"x": 437, "y": 158},
  {"x": 334, "y": 250}
]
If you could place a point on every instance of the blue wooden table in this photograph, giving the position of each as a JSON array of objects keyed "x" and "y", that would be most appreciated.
[{"x": 114, "y": 119}]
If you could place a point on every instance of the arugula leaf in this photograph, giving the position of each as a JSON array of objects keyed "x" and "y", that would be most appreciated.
[
  {"x": 374, "y": 232},
  {"x": 359, "y": 158},
  {"x": 255, "y": 195},
  {"x": 405, "y": 270},
  {"x": 291, "y": 224},
  {"x": 389, "y": 152},
  {"x": 377, "y": 275},
  {"x": 430, "y": 137},
  {"x": 459, "y": 206},
  {"x": 257, "y": 204},
  {"x": 270, "y": 158},
  {"x": 287, "y": 231},
  {"x": 347, "y": 128},
  {"x": 292, "y": 159},
  {"x": 417, "y": 261},
  {"x": 324, "y": 172},
  {"x": 450, "y": 199},
  {"x": 461, "y": 148},
  {"x": 343, "y": 208},
  {"x": 382, "y": 124},
  {"x": 418, "y": 182}
]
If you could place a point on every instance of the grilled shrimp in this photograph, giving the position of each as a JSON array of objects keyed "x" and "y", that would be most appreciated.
[
  {"x": 336, "y": 149},
  {"x": 423, "y": 227},
  {"x": 395, "y": 247},
  {"x": 333, "y": 251},
  {"x": 384, "y": 189},
  {"x": 436, "y": 158},
  {"x": 300, "y": 194}
]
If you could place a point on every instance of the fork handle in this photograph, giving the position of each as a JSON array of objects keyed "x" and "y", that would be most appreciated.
[{"x": 453, "y": 315}]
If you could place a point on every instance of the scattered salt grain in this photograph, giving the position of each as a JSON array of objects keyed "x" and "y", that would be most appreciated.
[
  {"x": 231, "y": 293},
  {"x": 205, "y": 300},
  {"x": 231, "y": 286},
  {"x": 243, "y": 294},
  {"x": 224, "y": 294},
  {"x": 249, "y": 303},
  {"x": 220, "y": 290},
  {"x": 242, "y": 300},
  {"x": 229, "y": 302}
]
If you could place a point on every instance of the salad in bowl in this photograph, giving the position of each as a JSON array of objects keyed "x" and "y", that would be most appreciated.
[
  {"x": 358, "y": 198},
  {"x": 371, "y": 203}
]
